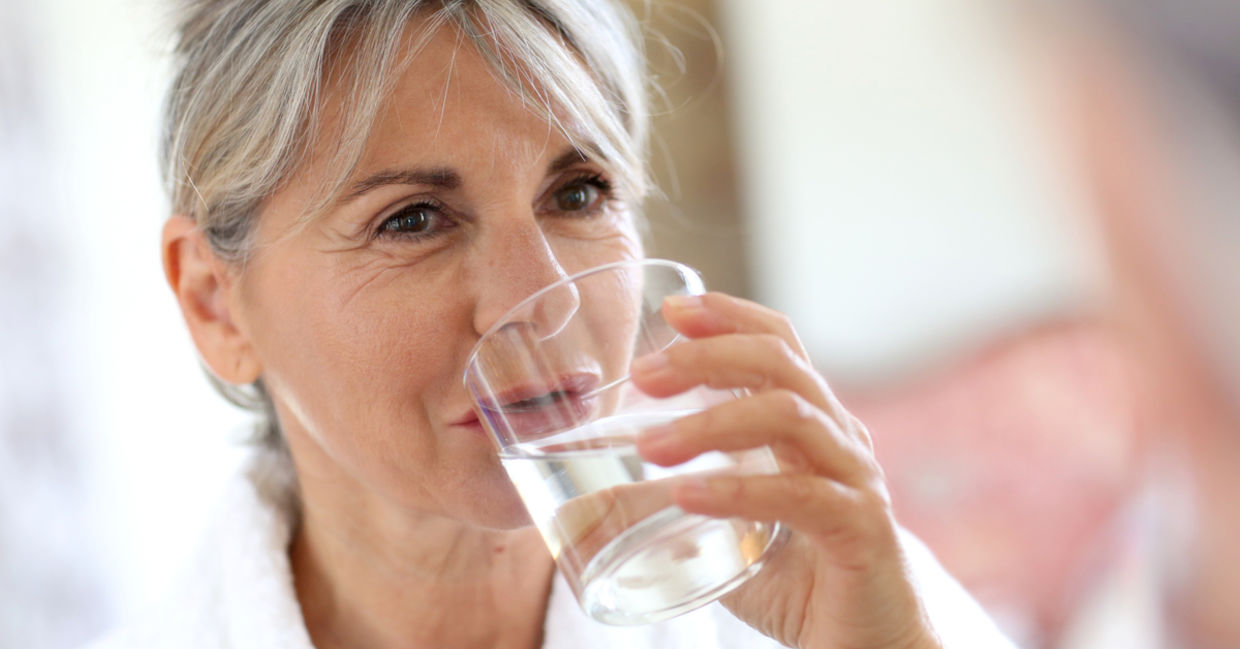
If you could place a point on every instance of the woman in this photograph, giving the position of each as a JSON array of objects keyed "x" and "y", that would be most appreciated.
[{"x": 359, "y": 189}]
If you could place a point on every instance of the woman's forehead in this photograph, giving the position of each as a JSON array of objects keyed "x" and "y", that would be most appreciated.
[{"x": 446, "y": 106}]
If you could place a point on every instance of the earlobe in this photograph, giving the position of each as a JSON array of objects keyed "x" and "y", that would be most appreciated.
[{"x": 202, "y": 286}]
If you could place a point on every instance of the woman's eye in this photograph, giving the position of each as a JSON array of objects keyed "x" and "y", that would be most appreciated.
[
  {"x": 575, "y": 198},
  {"x": 413, "y": 219},
  {"x": 582, "y": 195}
]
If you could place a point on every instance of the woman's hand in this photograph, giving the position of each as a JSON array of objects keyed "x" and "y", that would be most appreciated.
[{"x": 841, "y": 580}]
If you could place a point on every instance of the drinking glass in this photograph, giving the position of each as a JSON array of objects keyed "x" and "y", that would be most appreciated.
[{"x": 550, "y": 382}]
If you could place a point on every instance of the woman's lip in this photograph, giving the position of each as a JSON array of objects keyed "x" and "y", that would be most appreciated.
[
  {"x": 571, "y": 386},
  {"x": 472, "y": 427},
  {"x": 534, "y": 410},
  {"x": 567, "y": 411},
  {"x": 468, "y": 420},
  {"x": 574, "y": 395}
]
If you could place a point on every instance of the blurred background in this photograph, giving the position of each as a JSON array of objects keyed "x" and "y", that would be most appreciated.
[{"x": 881, "y": 172}]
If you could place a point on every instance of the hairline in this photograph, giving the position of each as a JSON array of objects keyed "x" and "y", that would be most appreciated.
[{"x": 420, "y": 27}]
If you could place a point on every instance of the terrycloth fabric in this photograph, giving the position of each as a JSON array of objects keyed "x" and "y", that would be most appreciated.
[{"x": 238, "y": 593}]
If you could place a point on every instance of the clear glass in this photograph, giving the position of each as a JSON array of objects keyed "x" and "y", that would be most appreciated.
[{"x": 550, "y": 382}]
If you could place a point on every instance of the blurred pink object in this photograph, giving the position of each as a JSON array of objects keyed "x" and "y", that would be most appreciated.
[{"x": 1010, "y": 465}]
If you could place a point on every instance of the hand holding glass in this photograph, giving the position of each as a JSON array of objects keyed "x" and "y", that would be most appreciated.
[{"x": 550, "y": 382}]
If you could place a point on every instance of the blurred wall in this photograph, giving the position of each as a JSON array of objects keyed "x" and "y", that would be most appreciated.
[
  {"x": 125, "y": 444},
  {"x": 51, "y": 588},
  {"x": 901, "y": 202},
  {"x": 695, "y": 215}
]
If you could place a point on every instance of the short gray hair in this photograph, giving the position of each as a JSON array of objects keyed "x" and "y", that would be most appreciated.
[{"x": 250, "y": 77}]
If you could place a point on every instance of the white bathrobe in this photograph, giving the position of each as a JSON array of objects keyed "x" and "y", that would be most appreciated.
[{"x": 238, "y": 592}]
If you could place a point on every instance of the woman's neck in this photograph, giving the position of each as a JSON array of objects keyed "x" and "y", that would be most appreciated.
[{"x": 369, "y": 575}]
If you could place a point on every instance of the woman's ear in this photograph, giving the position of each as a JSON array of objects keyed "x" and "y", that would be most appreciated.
[{"x": 203, "y": 288}]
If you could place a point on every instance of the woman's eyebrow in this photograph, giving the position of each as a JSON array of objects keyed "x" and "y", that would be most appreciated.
[
  {"x": 572, "y": 156},
  {"x": 441, "y": 177}
]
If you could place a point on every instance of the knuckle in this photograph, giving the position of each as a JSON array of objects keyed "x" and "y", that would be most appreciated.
[
  {"x": 802, "y": 489},
  {"x": 784, "y": 324},
  {"x": 873, "y": 468},
  {"x": 871, "y": 472},
  {"x": 790, "y": 458},
  {"x": 791, "y": 406},
  {"x": 881, "y": 496},
  {"x": 775, "y": 346},
  {"x": 874, "y": 516},
  {"x": 859, "y": 430}
]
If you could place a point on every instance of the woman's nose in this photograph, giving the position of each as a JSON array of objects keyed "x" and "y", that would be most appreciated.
[{"x": 517, "y": 265}]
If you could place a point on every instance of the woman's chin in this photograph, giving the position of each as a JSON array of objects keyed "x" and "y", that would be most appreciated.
[
  {"x": 513, "y": 519},
  {"x": 495, "y": 506},
  {"x": 498, "y": 516}
]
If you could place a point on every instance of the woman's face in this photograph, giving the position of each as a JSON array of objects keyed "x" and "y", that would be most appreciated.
[{"x": 464, "y": 202}]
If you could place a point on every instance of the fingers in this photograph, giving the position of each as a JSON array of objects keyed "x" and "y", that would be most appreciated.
[
  {"x": 754, "y": 362},
  {"x": 803, "y": 437},
  {"x": 852, "y": 522},
  {"x": 703, "y": 317},
  {"x": 714, "y": 314}
]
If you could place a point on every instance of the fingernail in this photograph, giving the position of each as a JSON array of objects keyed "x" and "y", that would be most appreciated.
[
  {"x": 650, "y": 363},
  {"x": 684, "y": 301}
]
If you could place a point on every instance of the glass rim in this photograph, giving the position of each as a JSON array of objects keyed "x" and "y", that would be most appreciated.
[{"x": 682, "y": 268}]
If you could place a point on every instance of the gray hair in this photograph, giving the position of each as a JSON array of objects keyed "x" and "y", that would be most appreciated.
[{"x": 251, "y": 76}]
